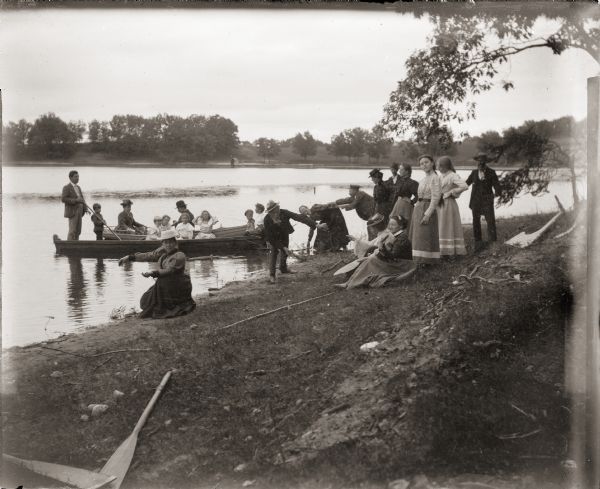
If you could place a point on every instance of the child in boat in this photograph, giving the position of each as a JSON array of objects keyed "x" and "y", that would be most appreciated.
[
  {"x": 98, "y": 221},
  {"x": 250, "y": 224},
  {"x": 185, "y": 229},
  {"x": 153, "y": 233},
  {"x": 205, "y": 224},
  {"x": 166, "y": 223}
]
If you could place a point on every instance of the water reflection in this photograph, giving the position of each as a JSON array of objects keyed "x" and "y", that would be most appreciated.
[{"x": 76, "y": 289}]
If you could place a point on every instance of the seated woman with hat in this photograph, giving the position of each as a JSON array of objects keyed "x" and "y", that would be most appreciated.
[
  {"x": 390, "y": 261},
  {"x": 126, "y": 223},
  {"x": 171, "y": 294}
]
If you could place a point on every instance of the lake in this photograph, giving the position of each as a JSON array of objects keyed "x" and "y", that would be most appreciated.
[{"x": 44, "y": 295}]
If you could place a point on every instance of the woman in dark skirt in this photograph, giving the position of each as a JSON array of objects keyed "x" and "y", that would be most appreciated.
[
  {"x": 171, "y": 294},
  {"x": 332, "y": 232},
  {"x": 424, "y": 233}
]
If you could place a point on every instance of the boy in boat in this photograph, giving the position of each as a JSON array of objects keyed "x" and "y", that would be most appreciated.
[
  {"x": 185, "y": 230},
  {"x": 154, "y": 232},
  {"x": 98, "y": 221}
]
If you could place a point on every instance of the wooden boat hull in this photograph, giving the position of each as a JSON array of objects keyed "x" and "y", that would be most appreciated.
[{"x": 191, "y": 247}]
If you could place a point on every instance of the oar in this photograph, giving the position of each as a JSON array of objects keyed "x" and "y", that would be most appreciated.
[
  {"x": 103, "y": 222},
  {"x": 73, "y": 476},
  {"x": 118, "y": 464}
]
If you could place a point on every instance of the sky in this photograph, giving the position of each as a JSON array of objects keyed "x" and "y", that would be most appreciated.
[{"x": 273, "y": 72}]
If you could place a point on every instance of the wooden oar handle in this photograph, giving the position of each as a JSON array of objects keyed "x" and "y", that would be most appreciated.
[{"x": 143, "y": 418}]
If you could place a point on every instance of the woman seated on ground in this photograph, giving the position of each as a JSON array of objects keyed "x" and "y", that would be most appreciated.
[
  {"x": 377, "y": 227},
  {"x": 332, "y": 232},
  {"x": 205, "y": 223},
  {"x": 390, "y": 261},
  {"x": 185, "y": 229},
  {"x": 153, "y": 233},
  {"x": 171, "y": 294}
]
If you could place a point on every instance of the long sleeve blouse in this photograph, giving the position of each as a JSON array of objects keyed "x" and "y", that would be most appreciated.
[
  {"x": 452, "y": 185},
  {"x": 168, "y": 263},
  {"x": 430, "y": 188}
]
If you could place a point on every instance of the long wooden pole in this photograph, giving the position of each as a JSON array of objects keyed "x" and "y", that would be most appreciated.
[{"x": 274, "y": 311}]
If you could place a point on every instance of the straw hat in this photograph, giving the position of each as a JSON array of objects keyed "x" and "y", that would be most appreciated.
[
  {"x": 168, "y": 234},
  {"x": 157, "y": 218}
]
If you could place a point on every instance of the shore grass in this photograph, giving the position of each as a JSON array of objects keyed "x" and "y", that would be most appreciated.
[{"x": 290, "y": 401}]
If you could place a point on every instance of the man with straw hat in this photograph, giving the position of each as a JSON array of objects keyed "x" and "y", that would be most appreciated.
[
  {"x": 171, "y": 294},
  {"x": 277, "y": 235},
  {"x": 485, "y": 182}
]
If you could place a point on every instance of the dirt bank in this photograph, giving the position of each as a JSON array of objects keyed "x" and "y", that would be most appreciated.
[{"x": 467, "y": 377}]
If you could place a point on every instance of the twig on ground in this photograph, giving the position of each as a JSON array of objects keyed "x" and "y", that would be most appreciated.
[
  {"x": 293, "y": 357},
  {"x": 478, "y": 484},
  {"x": 117, "y": 351},
  {"x": 288, "y": 306},
  {"x": 103, "y": 363},
  {"x": 530, "y": 416},
  {"x": 518, "y": 436},
  {"x": 63, "y": 351},
  {"x": 331, "y": 267}
]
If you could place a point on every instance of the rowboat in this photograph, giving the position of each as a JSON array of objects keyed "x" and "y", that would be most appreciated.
[{"x": 228, "y": 241}]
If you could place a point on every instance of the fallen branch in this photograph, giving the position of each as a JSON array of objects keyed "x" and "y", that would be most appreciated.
[
  {"x": 294, "y": 357},
  {"x": 103, "y": 363},
  {"x": 92, "y": 356},
  {"x": 289, "y": 306},
  {"x": 523, "y": 240},
  {"x": 518, "y": 436},
  {"x": 333, "y": 266},
  {"x": 63, "y": 351},
  {"x": 530, "y": 416}
]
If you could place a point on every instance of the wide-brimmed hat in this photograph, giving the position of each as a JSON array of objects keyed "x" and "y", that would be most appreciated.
[
  {"x": 168, "y": 234},
  {"x": 375, "y": 172},
  {"x": 126, "y": 202},
  {"x": 157, "y": 218},
  {"x": 355, "y": 187},
  {"x": 180, "y": 203},
  {"x": 481, "y": 156},
  {"x": 271, "y": 205}
]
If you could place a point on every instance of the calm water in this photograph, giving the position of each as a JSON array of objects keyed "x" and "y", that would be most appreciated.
[{"x": 44, "y": 295}]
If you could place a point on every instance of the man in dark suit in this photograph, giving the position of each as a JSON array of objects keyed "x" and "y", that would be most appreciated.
[
  {"x": 485, "y": 182},
  {"x": 75, "y": 205}
]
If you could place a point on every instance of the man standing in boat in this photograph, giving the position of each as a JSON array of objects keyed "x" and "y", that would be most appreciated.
[{"x": 75, "y": 205}]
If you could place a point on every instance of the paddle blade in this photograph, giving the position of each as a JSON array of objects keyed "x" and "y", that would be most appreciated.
[
  {"x": 348, "y": 267},
  {"x": 69, "y": 475},
  {"x": 118, "y": 464}
]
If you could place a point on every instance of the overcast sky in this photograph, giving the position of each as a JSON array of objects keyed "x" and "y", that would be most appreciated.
[{"x": 273, "y": 72}]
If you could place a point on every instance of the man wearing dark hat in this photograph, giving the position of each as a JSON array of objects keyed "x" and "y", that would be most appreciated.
[
  {"x": 485, "y": 182},
  {"x": 277, "y": 235},
  {"x": 361, "y": 202},
  {"x": 126, "y": 222},
  {"x": 381, "y": 194},
  {"x": 182, "y": 208},
  {"x": 75, "y": 205}
]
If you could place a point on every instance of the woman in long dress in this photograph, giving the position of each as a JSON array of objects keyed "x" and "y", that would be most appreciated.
[
  {"x": 452, "y": 241},
  {"x": 424, "y": 233},
  {"x": 391, "y": 260},
  {"x": 171, "y": 294},
  {"x": 332, "y": 232},
  {"x": 406, "y": 194}
]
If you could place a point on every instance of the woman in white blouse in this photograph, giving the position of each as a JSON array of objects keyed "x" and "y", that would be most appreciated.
[
  {"x": 424, "y": 233},
  {"x": 452, "y": 240}
]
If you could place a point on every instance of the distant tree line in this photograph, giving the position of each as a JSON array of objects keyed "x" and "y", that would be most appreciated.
[{"x": 163, "y": 137}]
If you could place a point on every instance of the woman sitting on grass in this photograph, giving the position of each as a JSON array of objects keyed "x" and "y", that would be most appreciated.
[
  {"x": 171, "y": 294},
  {"x": 205, "y": 223},
  {"x": 390, "y": 261}
]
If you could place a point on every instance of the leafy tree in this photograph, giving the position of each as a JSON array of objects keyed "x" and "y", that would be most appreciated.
[
  {"x": 466, "y": 50},
  {"x": 267, "y": 148},
  {"x": 339, "y": 146},
  {"x": 15, "y": 136},
  {"x": 437, "y": 143},
  {"x": 304, "y": 145},
  {"x": 379, "y": 143},
  {"x": 51, "y": 137}
]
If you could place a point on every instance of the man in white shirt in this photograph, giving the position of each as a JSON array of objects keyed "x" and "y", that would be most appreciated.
[{"x": 75, "y": 205}]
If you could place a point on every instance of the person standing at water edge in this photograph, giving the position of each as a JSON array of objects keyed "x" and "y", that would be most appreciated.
[
  {"x": 277, "y": 235},
  {"x": 362, "y": 203},
  {"x": 171, "y": 295},
  {"x": 406, "y": 194},
  {"x": 485, "y": 182},
  {"x": 424, "y": 233},
  {"x": 75, "y": 205},
  {"x": 452, "y": 240}
]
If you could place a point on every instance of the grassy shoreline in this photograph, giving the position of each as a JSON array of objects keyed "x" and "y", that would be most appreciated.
[{"x": 291, "y": 397}]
